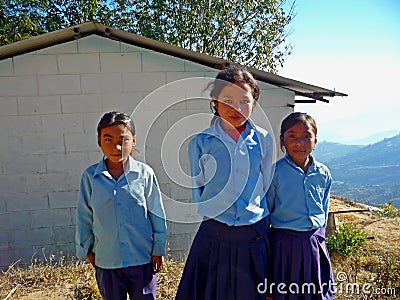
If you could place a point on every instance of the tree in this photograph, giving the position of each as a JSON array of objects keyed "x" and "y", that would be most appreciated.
[{"x": 248, "y": 32}]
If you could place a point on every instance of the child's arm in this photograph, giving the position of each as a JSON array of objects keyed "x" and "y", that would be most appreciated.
[
  {"x": 84, "y": 232},
  {"x": 156, "y": 214},
  {"x": 327, "y": 197},
  {"x": 157, "y": 262},
  {"x": 194, "y": 154}
]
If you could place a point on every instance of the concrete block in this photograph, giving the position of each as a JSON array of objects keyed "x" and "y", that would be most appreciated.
[
  {"x": 8, "y": 106},
  {"x": 25, "y": 164},
  {"x": 106, "y": 83},
  {"x": 16, "y": 126},
  {"x": 81, "y": 103},
  {"x": 179, "y": 76},
  {"x": 121, "y": 62},
  {"x": 95, "y": 43},
  {"x": 43, "y": 143},
  {"x": 26, "y": 86},
  {"x": 13, "y": 184},
  {"x": 27, "y": 202},
  {"x": 78, "y": 63},
  {"x": 52, "y": 182},
  {"x": 64, "y": 162},
  {"x": 32, "y": 237},
  {"x": 7, "y": 86},
  {"x": 90, "y": 122},
  {"x": 20, "y": 256},
  {"x": 18, "y": 86},
  {"x": 181, "y": 228},
  {"x": 73, "y": 214},
  {"x": 179, "y": 241},
  {"x": 63, "y": 199},
  {"x": 31, "y": 64},
  {"x": 145, "y": 81},
  {"x": 65, "y": 123},
  {"x": 16, "y": 220},
  {"x": 7, "y": 67},
  {"x": 59, "y": 84},
  {"x": 156, "y": 62},
  {"x": 64, "y": 234},
  {"x": 67, "y": 47},
  {"x": 276, "y": 97},
  {"x": 11, "y": 148},
  {"x": 81, "y": 142},
  {"x": 92, "y": 157},
  {"x": 4, "y": 239},
  {"x": 122, "y": 102},
  {"x": 39, "y": 105},
  {"x": 51, "y": 217},
  {"x": 192, "y": 66}
]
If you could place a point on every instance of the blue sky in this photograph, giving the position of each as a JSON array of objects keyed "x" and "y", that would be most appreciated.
[{"x": 352, "y": 46}]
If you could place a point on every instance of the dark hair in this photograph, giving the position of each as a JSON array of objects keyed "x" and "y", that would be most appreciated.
[
  {"x": 114, "y": 118},
  {"x": 233, "y": 74},
  {"x": 295, "y": 118}
]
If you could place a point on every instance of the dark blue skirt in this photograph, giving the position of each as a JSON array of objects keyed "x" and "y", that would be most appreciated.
[
  {"x": 226, "y": 262},
  {"x": 301, "y": 265}
]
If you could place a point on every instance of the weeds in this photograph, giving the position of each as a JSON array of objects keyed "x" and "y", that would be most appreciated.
[
  {"x": 346, "y": 240},
  {"x": 388, "y": 210}
]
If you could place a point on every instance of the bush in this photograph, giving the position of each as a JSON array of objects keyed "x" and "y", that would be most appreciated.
[
  {"x": 346, "y": 240},
  {"x": 388, "y": 210}
]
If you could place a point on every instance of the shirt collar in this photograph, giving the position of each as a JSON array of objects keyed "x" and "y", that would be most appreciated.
[
  {"x": 219, "y": 131},
  {"x": 312, "y": 167},
  {"x": 131, "y": 166}
]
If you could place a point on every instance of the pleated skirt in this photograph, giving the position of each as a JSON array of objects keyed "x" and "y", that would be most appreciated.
[
  {"x": 300, "y": 265},
  {"x": 226, "y": 262}
]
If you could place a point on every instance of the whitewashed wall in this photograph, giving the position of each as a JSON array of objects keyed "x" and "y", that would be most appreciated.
[{"x": 50, "y": 103}]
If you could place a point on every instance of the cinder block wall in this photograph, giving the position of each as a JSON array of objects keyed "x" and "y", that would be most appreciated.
[{"x": 50, "y": 103}]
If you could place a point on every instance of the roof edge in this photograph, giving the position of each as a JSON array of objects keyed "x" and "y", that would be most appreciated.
[{"x": 93, "y": 27}]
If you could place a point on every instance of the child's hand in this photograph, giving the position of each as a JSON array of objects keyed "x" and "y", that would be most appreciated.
[
  {"x": 157, "y": 262},
  {"x": 91, "y": 257}
]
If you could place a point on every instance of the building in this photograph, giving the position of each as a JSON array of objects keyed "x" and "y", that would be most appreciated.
[{"x": 53, "y": 90}]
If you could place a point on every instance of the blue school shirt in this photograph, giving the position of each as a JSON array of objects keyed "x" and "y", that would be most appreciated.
[
  {"x": 298, "y": 200},
  {"x": 230, "y": 179},
  {"x": 124, "y": 223}
]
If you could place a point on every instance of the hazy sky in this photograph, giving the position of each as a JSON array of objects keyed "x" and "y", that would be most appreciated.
[{"x": 352, "y": 46}]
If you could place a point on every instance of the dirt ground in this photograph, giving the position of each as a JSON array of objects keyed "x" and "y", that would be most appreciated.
[{"x": 383, "y": 232}]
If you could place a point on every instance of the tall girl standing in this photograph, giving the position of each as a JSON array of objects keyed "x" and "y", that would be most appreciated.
[
  {"x": 229, "y": 256},
  {"x": 298, "y": 199}
]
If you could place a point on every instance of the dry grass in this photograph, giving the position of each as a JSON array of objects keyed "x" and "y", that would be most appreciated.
[
  {"x": 73, "y": 279},
  {"x": 376, "y": 264}
]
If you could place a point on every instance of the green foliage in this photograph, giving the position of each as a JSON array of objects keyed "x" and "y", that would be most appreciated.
[
  {"x": 388, "y": 271},
  {"x": 247, "y": 32},
  {"x": 346, "y": 240},
  {"x": 388, "y": 210}
]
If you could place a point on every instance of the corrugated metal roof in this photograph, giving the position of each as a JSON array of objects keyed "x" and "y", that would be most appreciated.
[{"x": 75, "y": 32}]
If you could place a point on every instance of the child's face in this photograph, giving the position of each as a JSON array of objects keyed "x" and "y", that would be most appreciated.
[
  {"x": 299, "y": 141},
  {"x": 235, "y": 104},
  {"x": 116, "y": 142}
]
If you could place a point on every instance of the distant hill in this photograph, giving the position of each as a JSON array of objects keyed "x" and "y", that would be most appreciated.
[
  {"x": 368, "y": 174},
  {"x": 325, "y": 151},
  {"x": 374, "y": 138}
]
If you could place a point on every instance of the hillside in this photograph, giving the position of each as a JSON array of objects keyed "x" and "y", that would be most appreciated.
[{"x": 369, "y": 174}]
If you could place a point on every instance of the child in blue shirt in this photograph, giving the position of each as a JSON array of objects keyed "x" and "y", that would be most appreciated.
[
  {"x": 298, "y": 200},
  {"x": 230, "y": 177},
  {"x": 121, "y": 226}
]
